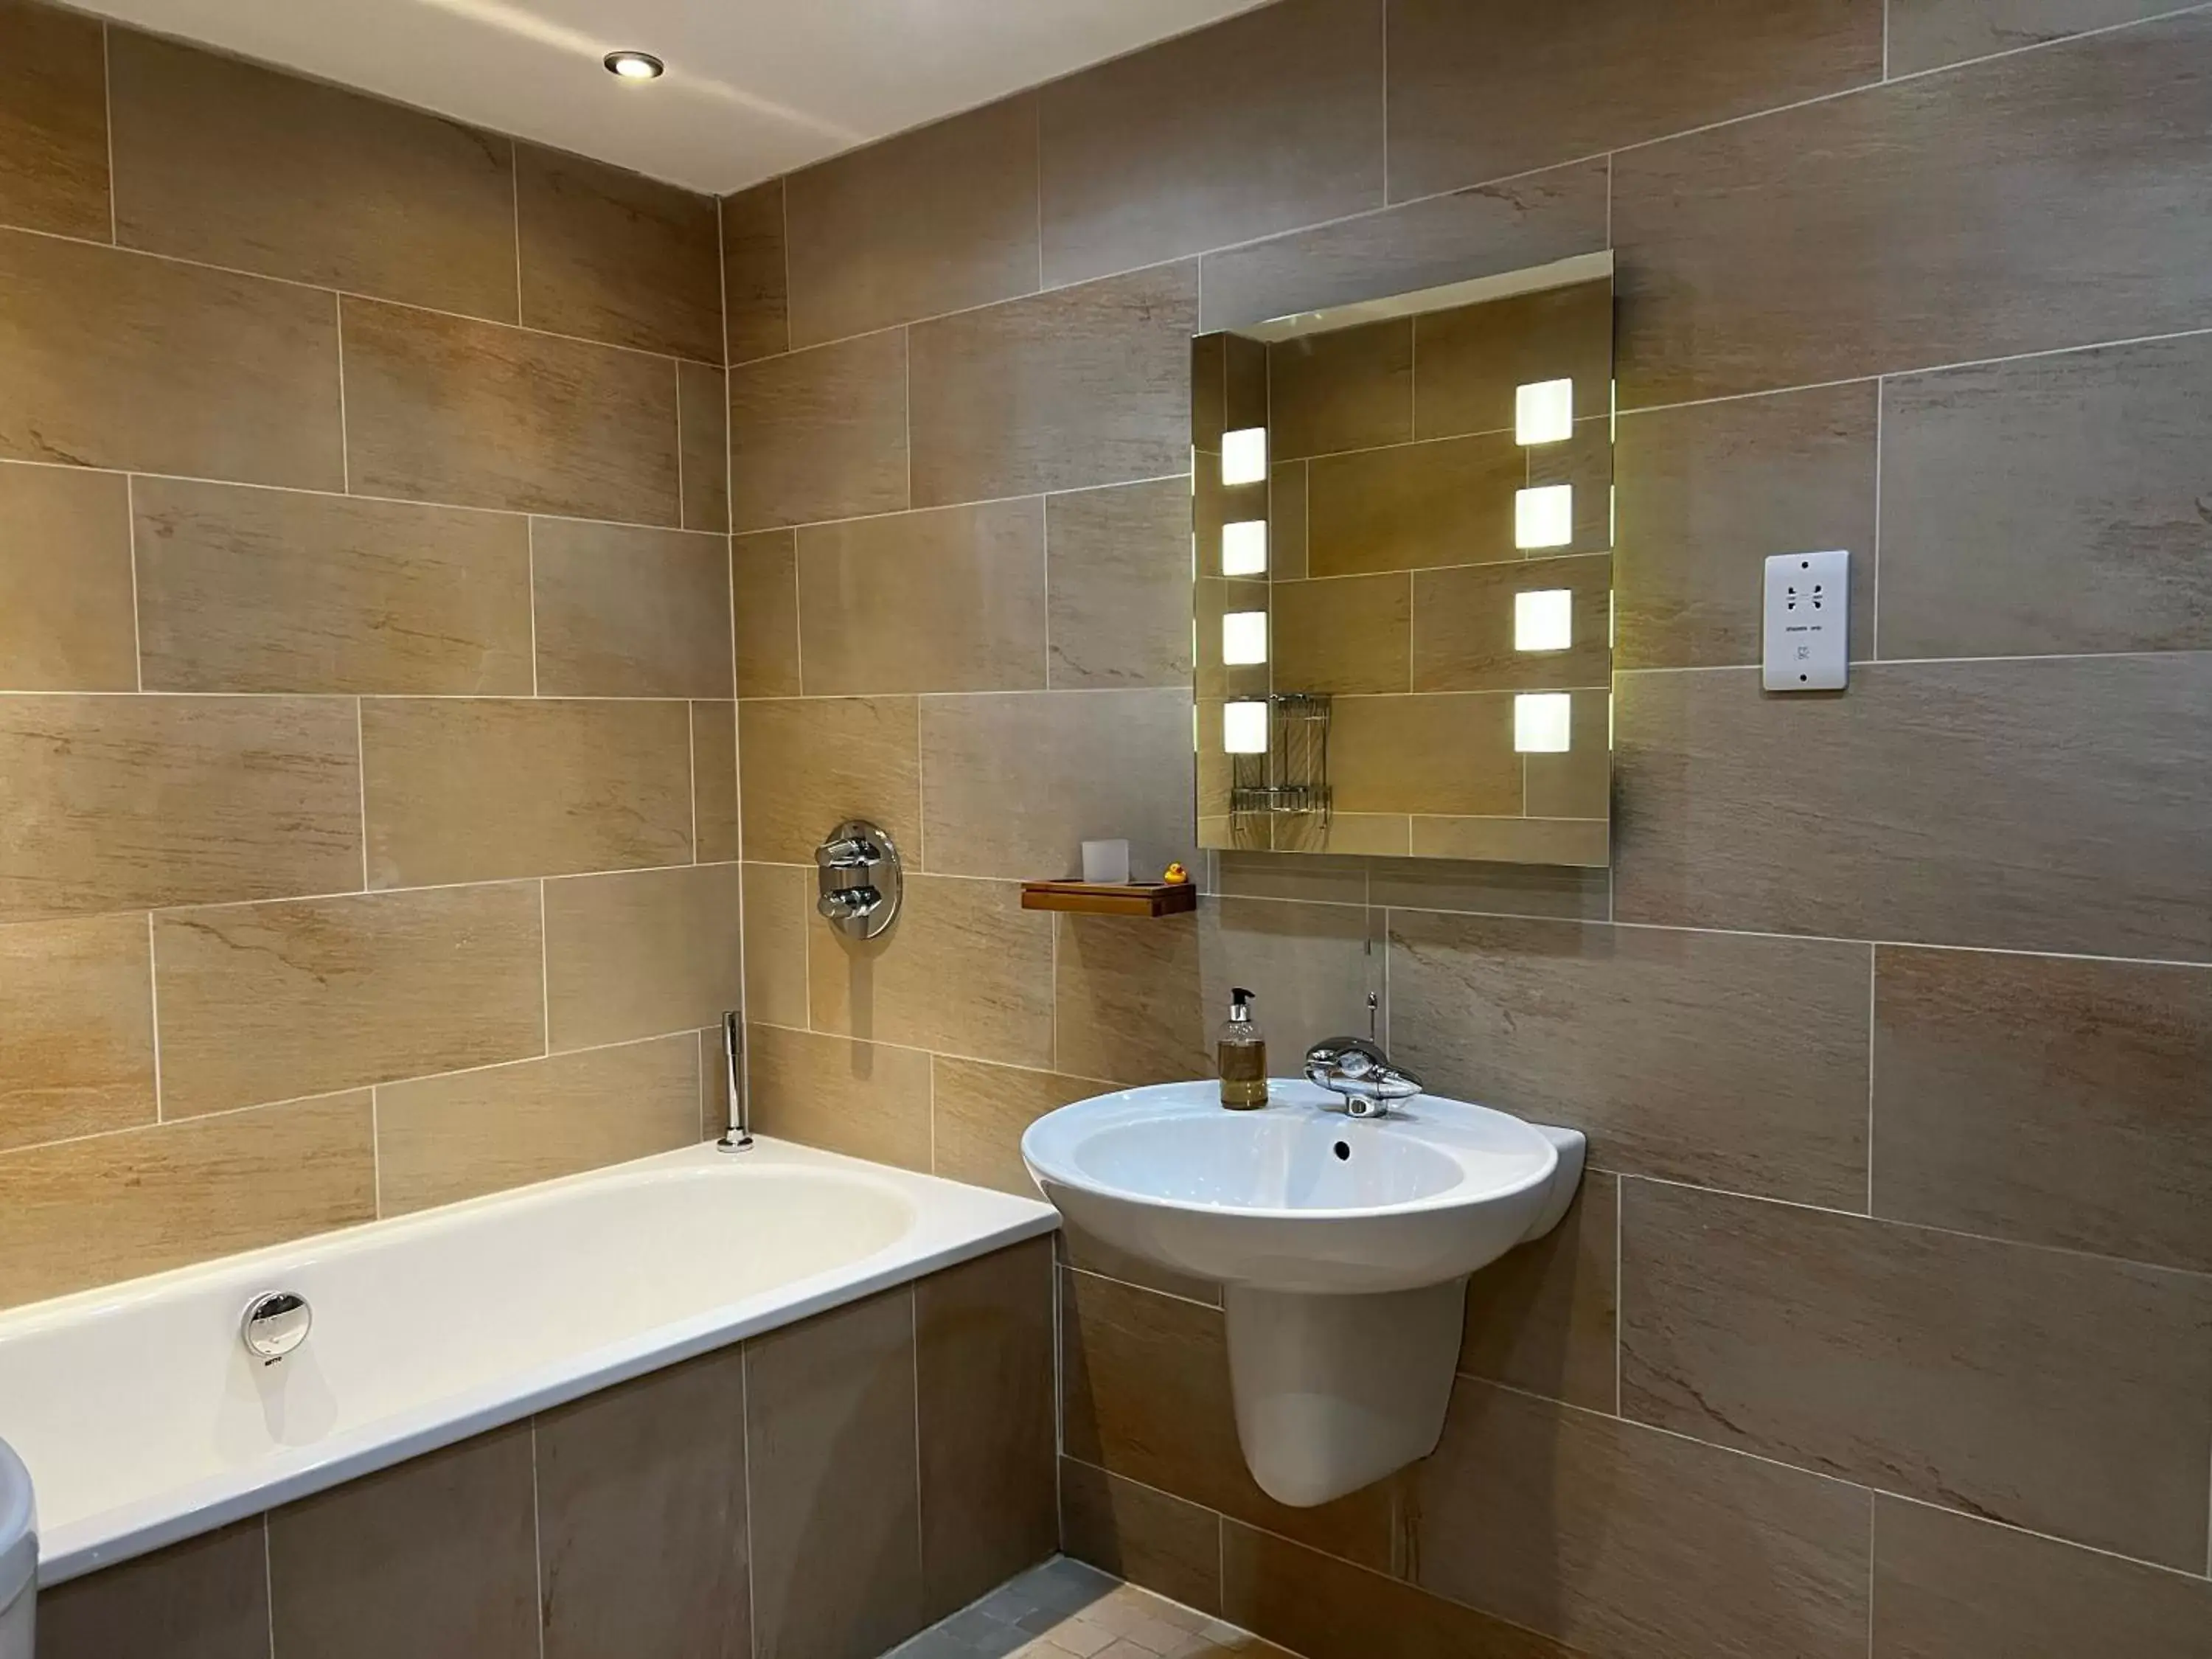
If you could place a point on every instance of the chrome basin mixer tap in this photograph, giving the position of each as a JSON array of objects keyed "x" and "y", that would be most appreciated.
[{"x": 1357, "y": 1069}]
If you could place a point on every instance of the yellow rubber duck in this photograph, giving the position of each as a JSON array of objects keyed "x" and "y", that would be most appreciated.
[{"x": 1174, "y": 875}]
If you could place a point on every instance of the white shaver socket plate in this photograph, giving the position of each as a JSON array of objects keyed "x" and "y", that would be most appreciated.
[{"x": 1809, "y": 621}]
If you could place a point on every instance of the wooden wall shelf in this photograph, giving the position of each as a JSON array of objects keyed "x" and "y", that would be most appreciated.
[{"x": 1136, "y": 898}]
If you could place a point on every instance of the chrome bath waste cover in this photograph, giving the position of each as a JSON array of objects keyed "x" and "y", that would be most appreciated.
[{"x": 274, "y": 1325}]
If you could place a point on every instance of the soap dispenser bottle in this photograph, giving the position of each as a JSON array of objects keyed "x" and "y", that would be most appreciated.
[{"x": 1241, "y": 1056}]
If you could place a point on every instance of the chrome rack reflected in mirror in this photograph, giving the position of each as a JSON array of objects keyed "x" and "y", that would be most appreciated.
[{"x": 858, "y": 872}]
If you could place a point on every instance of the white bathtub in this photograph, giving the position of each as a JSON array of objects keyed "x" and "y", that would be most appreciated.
[{"x": 143, "y": 1420}]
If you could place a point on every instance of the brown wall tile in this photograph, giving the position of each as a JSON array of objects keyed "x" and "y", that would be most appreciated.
[
  {"x": 1930, "y": 33},
  {"x": 1350, "y": 388},
  {"x": 1828, "y": 241},
  {"x": 1616, "y": 1540},
  {"x": 260, "y": 590},
  {"x": 1257, "y": 124},
  {"x": 1080, "y": 386},
  {"x": 807, "y": 766},
  {"x": 1345, "y": 635},
  {"x": 1707, "y": 491},
  {"x": 1543, "y": 1318},
  {"x": 445, "y": 1138},
  {"x": 753, "y": 276},
  {"x": 2053, "y": 805},
  {"x": 640, "y": 953},
  {"x": 1512, "y": 890},
  {"x": 206, "y": 1598},
  {"x": 1554, "y": 87},
  {"x": 984, "y": 1379},
  {"x": 66, "y": 617},
  {"x": 820, "y": 434},
  {"x": 779, "y": 911},
  {"x": 979, "y": 1112},
  {"x": 864, "y": 1099},
  {"x": 611, "y": 256},
  {"x": 1446, "y": 503},
  {"x": 1947, "y": 1587},
  {"x": 2070, "y": 1400},
  {"x": 1443, "y": 752},
  {"x": 2056, "y": 504},
  {"x": 627, "y": 612},
  {"x": 435, "y": 1558},
  {"x": 117, "y": 360},
  {"x": 477, "y": 790},
  {"x": 272, "y": 1001},
  {"x": 1117, "y": 587},
  {"x": 1463, "y": 626},
  {"x": 53, "y": 121},
  {"x": 1126, "y": 998},
  {"x": 642, "y": 1516},
  {"x": 84, "y": 1213},
  {"x": 2045, "y": 1098},
  {"x": 764, "y": 594},
  {"x": 442, "y": 409},
  {"x": 965, "y": 969},
  {"x": 714, "y": 782},
  {"x": 829, "y": 1410},
  {"x": 1143, "y": 1537},
  {"x": 1317, "y": 878},
  {"x": 1657, "y": 1044},
  {"x": 227, "y": 162},
  {"x": 75, "y": 1003},
  {"x": 936, "y": 219},
  {"x": 1090, "y": 1254},
  {"x": 1474, "y": 357},
  {"x": 703, "y": 414},
  {"x": 950, "y": 600},
  {"x": 117, "y": 802},
  {"x": 1311, "y": 966}
]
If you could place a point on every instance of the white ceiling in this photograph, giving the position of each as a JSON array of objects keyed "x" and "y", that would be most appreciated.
[{"x": 754, "y": 88}]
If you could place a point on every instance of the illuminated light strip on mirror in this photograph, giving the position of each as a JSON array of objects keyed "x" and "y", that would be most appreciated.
[
  {"x": 1244, "y": 728},
  {"x": 1244, "y": 638},
  {"x": 1544, "y": 619},
  {"x": 1244, "y": 548},
  {"x": 1244, "y": 455},
  {"x": 1543, "y": 722},
  {"x": 1544, "y": 516},
  {"x": 1544, "y": 412}
]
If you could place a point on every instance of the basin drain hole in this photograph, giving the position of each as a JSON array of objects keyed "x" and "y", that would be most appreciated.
[{"x": 1343, "y": 1151}]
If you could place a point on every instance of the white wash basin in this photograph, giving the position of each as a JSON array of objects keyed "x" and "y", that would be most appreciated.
[
  {"x": 1343, "y": 1247},
  {"x": 19, "y": 1557}
]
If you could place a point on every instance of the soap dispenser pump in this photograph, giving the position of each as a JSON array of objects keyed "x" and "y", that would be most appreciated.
[{"x": 1241, "y": 1056}]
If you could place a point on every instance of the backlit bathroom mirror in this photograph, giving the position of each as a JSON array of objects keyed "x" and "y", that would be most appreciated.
[{"x": 1402, "y": 516}]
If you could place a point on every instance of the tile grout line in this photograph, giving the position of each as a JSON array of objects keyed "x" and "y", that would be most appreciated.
[
  {"x": 361, "y": 789},
  {"x": 107, "y": 118},
  {"x": 1620, "y": 1185},
  {"x": 514, "y": 208},
  {"x": 537, "y": 1542},
  {"x": 682, "y": 500},
  {"x": 345, "y": 437},
  {"x": 691, "y": 775},
  {"x": 137, "y": 624},
  {"x": 1874, "y": 598},
  {"x": 153, "y": 1016},
  {"x": 1873, "y": 980},
  {"x": 920, "y": 1524},
  {"x": 269, "y": 1583},
  {"x": 544, "y": 978},
  {"x": 376, "y": 1156},
  {"x": 529, "y": 562},
  {"x": 1873, "y": 1507},
  {"x": 745, "y": 1438}
]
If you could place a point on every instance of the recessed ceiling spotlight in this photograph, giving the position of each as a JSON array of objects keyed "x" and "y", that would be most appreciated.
[{"x": 635, "y": 65}]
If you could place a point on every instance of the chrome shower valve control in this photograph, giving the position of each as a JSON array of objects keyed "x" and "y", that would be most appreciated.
[{"x": 857, "y": 870}]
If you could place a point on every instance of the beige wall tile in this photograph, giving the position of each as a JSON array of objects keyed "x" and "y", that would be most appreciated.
[
  {"x": 481, "y": 789},
  {"x": 1347, "y": 635},
  {"x": 640, "y": 953},
  {"x": 779, "y": 912},
  {"x": 753, "y": 274},
  {"x": 1707, "y": 491},
  {"x": 1928, "y": 34},
  {"x": 1947, "y": 1587},
  {"x": 829, "y": 1414},
  {"x": 1447, "y": 502},
  {"x": 1146, "y": 1396},
  {"x": 1542, "y": 1318},
  {"x": 642, "y": 1516},
  {"x": 764, "y": 594},
  {"x": 1090, "y": 1254},
  {"x": 703, "y": 414},
  {"x": 53, "y": 121},
  {"x": 1140, "y": 1535},
  {"x": 1126, "y": 998},
  {"x": 1084, "y": 386},
  {"x": 965, "y": 970},
  {"x": 1463, "y": 626},
  {"x": 76, "y": 1002},
  {"x": 2052, "y": 505},
  {"x": 936, "y": 219},
  {"x": 117, "y": 802},
  {"x": 1512, "y": 890},
  {"x": 984, "y": 1380},
  {"x": 90, "y": 1211},
  {"x": 1574, "y": 783},
  {"x": 1320, "y": 878},
  {"x": 612, "y": 256},
  {"x": 2045, "y": 1098},
  {"x": 807, "y": 766},
  {"x": 820, "y": 434},
  {"x": 1351, "y": 388},
  {"x": 627, "y": 612},
  {"x": 714, "y": 833},
  {"x": 1486, "y": 231},
  {"x": 1578, "y": 841},
  {"x": 272, "y": 1001},
  {"x": 1474, "y": 357},
  {"x": 445, "y": 1138},
  {"x": 2053, "y": 806},
  {"x": 2070, "y": 1402},
  {"x": 443, "y": 408},
  {"x": 263, "y": 590},
  {"x": 979, "y": 1112},
  {"x": 1589, "y": 82},
  {"x": 116, "y": 360},
  {"x": 232, "y": 164},
  {"x": 1825, "y": 242},
  {"x": 66, "y": 617},
  {"x": 950, "y": 600},
  {"x": 1311, "y": 966},
  {"x": 1657, "y": 1044},
  {"x": 1615, "y": 1539},
  {"x": 1117, "y": 584},
  {"x": 1012, "y": 784},
  {"x": 864, "y": 1099},
  {"x": 1257, "y": 124},
  {"x": 1446, "y": 752},
  {"x": 436, "y": 1557},
  {"x": 206, "y": 1598}
]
